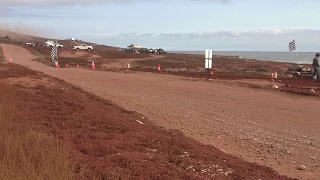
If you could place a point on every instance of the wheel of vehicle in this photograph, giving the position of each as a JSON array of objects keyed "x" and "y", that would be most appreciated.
[
  {"x": 89, "y": 49},
  {"x": 78, "y": 49},
  {"x": 296, "y": 76}
]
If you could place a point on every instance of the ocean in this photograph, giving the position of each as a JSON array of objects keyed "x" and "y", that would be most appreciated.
[{"x": 304, "y": 57}]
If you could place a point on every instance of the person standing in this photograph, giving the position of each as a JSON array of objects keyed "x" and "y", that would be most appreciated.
[{"x": 316, "y": 65}]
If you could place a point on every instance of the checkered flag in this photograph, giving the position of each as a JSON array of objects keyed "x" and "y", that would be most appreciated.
[
  {"x": 54, "y": 53},
  {"x": 292, "y": 45}
]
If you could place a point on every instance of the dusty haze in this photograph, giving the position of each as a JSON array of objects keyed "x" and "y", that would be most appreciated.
[{"x": 11, "y": 30}]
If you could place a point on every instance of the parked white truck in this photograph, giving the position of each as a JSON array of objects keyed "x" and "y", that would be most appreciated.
[
  {"x": 83, "y": 47},
  {"x": 50, "y": 43}
]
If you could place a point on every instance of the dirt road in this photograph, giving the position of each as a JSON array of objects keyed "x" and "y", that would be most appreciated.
[{"x": 267, "y": 127}]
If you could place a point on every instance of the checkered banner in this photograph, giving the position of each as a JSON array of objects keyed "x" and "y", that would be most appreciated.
[
  {"x": 292, "y": 45},
  {"x": 54, "y": 53}
]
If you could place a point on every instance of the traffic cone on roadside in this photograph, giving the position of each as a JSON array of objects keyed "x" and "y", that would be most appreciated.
[
  {"x": 159, "y": 68},
  {"x": 211, "y": 75},
  {"x": 272, "y": 75},
  {"x": 129, "y": 66},
  {"x": 93, "y": 66},
  {"x": 67, "y": 65},
  {"x": 57, "y": 65},
  {"x": 276, "y": 75},
  {"x": 77, "y": 65},
  {"x": 10, "y": 61}
]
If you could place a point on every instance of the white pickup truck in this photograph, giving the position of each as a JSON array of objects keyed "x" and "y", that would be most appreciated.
[
  {"x": 52, "y": 43},
  {"x": 83, "y": 47}
]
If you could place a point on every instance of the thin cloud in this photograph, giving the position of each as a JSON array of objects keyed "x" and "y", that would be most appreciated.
[
  {"x": 43, "y": 13},
  {"x": 28, "y": 3},
  {"x": 230, "y": 33},
  {"x": 25, "y": 8}
]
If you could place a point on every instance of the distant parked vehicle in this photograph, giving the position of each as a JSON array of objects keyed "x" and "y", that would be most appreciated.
[
  {"x": 82, "y": 47},
  {"x": 52, "y": 43},
  {"x": 300, "y": 72},
  {"x": 31, "y": 43},
  {"x": 71, "y": 39}
]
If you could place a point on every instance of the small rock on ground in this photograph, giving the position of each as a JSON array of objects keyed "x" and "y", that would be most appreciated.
[
  {"x": 312, "y": 91},
  {"x": 301, "y": 167}
]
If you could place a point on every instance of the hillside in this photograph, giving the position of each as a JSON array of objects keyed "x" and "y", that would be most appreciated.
[
  {"x": 23, "y": 38},
  {"x": 20, "y": 37}
]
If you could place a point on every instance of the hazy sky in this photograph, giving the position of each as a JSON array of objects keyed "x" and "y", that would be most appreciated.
[{"x": 252, "y": 25}]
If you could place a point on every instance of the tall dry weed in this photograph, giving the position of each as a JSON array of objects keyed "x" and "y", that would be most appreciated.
[
  {"x": 24, "y": 152},
  {"x": 1, "y": 55}
]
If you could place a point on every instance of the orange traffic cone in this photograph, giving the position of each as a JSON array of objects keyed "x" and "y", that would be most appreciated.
[
  {"x": 77, "y": 65},
  {"x": 67, "y": 65},
  {"x": 10, "y": 61},
  {"x": 159, "y": 68},
  {"x": 272, "y": 75},
  {"x": 93, "y": 66}
]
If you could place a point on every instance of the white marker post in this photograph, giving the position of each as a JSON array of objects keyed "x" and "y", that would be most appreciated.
[{"x": 208, "y": 61}]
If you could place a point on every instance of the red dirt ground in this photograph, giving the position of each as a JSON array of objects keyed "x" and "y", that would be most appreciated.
[
  {"x": 257, "y": 125},
  {"x": 116, "y": 143}
]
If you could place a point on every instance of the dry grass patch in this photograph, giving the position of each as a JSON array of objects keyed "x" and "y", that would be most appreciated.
[
  {"x": 1, "y": 55},
  {"x": 24, "y": 152}
]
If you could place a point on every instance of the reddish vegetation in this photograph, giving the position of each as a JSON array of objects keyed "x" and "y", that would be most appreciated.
[
  {"x": 190, "y": 63},
  {"x": 107, "y": 53},
  {"x": 113, "y": 143}
]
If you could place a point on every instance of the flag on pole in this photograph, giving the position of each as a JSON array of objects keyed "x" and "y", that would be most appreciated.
[{"x": 292, "y": 45}]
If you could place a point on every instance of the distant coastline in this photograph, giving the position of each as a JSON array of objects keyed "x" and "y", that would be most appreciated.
[{"x": 290, "y": 57}]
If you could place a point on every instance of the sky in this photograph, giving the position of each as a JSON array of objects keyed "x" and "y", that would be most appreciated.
[{"x": 190, "y": 25}]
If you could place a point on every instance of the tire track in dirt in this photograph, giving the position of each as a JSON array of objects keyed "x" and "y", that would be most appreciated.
[{"x": 270, "y": 128}]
